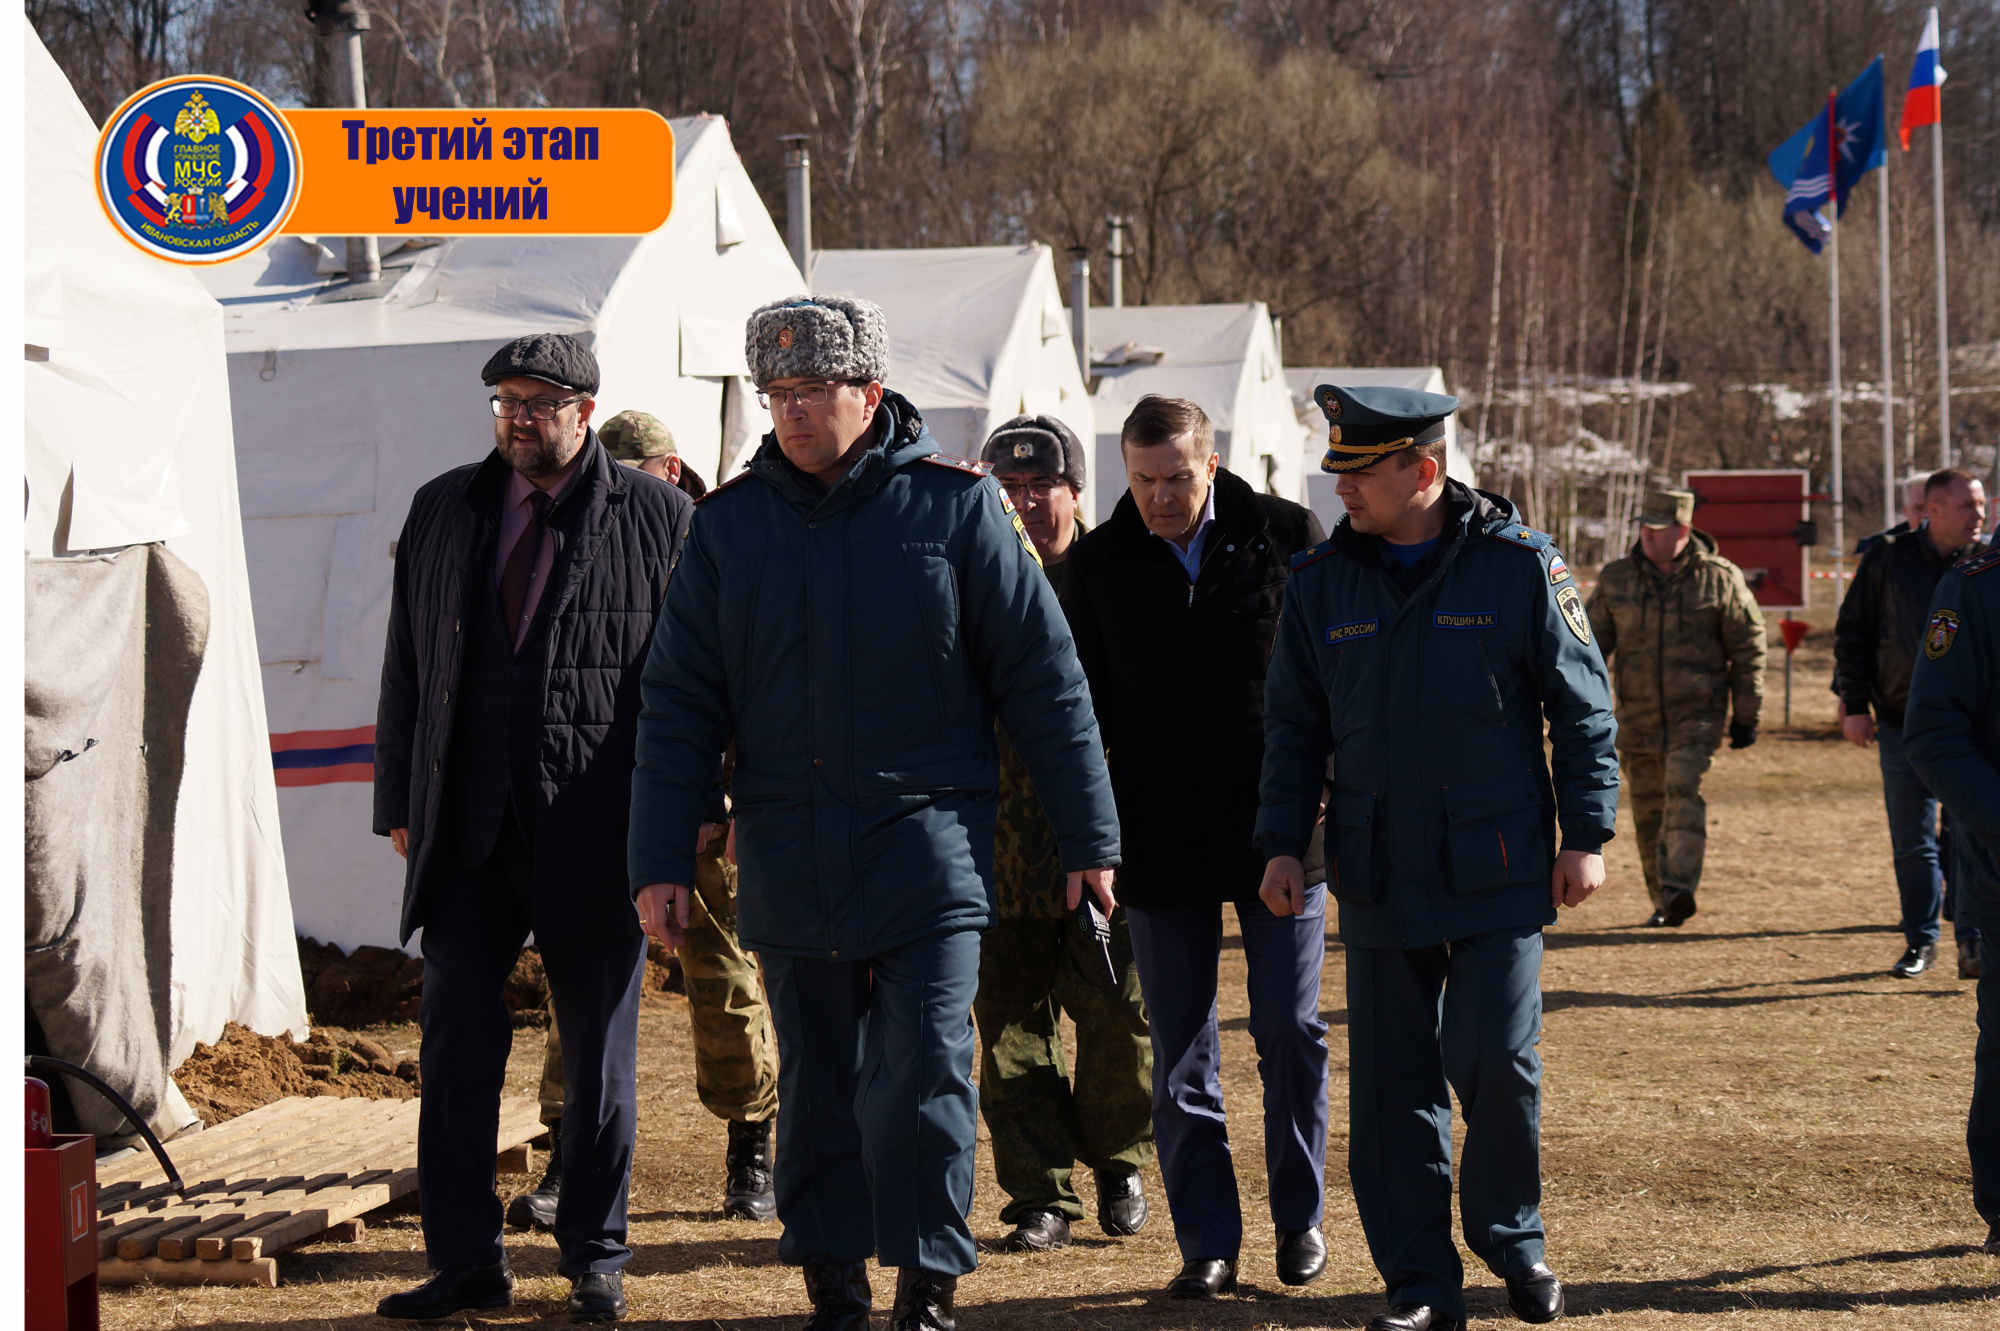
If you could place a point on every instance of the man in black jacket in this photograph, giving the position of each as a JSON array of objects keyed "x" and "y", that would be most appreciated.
[
  {"x": 525, "y": 593},
  {"x": 1174, "y": 602},
  {"x": 1875, "y": 644}
]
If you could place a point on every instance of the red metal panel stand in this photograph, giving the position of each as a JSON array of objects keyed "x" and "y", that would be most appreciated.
[{"x": 62, "y": 1235}]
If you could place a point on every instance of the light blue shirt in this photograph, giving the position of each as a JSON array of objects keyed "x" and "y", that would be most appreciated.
[{"x": 1191, "y": 557}]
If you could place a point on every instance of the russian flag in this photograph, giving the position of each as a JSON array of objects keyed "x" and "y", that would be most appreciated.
[
  {"x": 320, "y": 757},
  {"x": 1920, "y": 103}
]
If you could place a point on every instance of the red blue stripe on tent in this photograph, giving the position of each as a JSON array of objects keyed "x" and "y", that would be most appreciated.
[{"x": 320, "y": 757}]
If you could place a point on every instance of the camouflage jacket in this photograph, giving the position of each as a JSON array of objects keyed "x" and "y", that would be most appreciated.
[
  {"x": 1028, "y": 876},
  {"x": 1684, "y": 647}
]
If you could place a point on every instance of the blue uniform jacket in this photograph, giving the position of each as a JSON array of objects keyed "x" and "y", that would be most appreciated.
[
  {"x": 1951, "y": 727},
  {"x": 1441, "y": 821},
  {"x": 857, "y": 645}
]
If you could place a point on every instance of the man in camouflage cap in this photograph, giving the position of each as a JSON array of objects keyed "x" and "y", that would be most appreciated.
[
  {"x": 1041, "y": 959},
  {"x": 1685, "y": 642},
  {"x": 644, "y": 442}
]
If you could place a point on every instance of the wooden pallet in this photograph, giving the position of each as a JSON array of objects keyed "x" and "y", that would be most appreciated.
[{"x": 276, "y": 1177}]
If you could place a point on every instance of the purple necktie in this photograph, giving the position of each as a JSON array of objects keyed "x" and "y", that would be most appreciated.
[{"x": 521, "y": 567}]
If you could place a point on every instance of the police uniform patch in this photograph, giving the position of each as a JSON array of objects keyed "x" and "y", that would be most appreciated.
[
  {"x": 1465, "y": 619},
  {"x": 1943, "y": 631},
  {"x": 1571, "y": 605},
  {"x": 1558, "y": 571},
  {"x": 1360, "y": 628}
]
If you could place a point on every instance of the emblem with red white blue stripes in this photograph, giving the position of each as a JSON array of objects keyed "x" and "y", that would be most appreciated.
[{"x": 197, "y": 170}]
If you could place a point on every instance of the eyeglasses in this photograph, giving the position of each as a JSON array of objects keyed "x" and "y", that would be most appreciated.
[
  {"x": 1039, "y": 491},
  {"x": 539, "y": 408},
  {"x": 806, "y": 395}
]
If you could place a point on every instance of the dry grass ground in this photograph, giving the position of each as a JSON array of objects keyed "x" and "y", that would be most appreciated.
[{"x": 1748, "y": 1124}]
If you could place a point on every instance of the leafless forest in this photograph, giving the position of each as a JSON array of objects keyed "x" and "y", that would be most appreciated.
[{"x": 1562, "y": 202}]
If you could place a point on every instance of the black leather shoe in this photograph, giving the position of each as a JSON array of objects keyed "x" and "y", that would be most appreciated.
[
  {"x": 537, "y": 1209},
  {"x": 1992, "y": 1248},
  {"x": 1121, "y": 1204},
  {"x": 1038, "y": 1231},
  {"x": 923, "y": 1300},
  {"x": 1203, "y": 1278},
  {"x": 747, "y": 1193},
  {"x": 1413, "y": 1317},
  {"x": 452, "y": 1290},
  {"x": 840, "y": 1296},
  {"x": 1915, "y": 961},
  {"x": 1679, "y": 909},
  {"x": 1535, "y": 1295},
  {"x": 1968, "y": 959},
  {"x": 597, "y": 1296},
  {"x": 1301, "y": 1255},
  {"x": 1657, "y": 920}
]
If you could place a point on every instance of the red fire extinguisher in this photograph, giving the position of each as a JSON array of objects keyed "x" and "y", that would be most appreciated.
[{"x": 40, "y": 1126}]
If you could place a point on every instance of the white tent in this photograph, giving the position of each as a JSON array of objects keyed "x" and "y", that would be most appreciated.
[
  {"x": 1319, "y": 485},
  {"x": 976, "y": 335},
  {"x": 344, "y": 407},
  {"x": 1225, "y": 358},
  {"x": 128, "y": 442}
]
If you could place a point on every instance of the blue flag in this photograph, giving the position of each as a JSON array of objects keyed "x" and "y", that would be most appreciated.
[{"x": 1820, "y": 164}]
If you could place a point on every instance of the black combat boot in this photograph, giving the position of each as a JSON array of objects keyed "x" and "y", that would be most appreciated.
[
  {"x": 840, "y": 1296},
  {"x": 746, "y": 1192},
  {"x": 923, "y": 1300},
  {"x": 537, "y": 1209}
]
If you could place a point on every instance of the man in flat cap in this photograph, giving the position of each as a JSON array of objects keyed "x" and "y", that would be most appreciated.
[
  {"x": 1684, "y": 638},
  {"x": 525, "y": 592},
  {"x": 1425, "y": 646},
  {"x": 853, "y": 611},
  {"x": 641, "y": 440},
  {"x": 1041, "y": 959}
]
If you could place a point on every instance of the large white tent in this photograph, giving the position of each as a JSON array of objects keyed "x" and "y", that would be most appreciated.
[
  {"x": 976, "y": 335},
  {"x": 1225, "y": 358},
  {"x": 128, "y": 443},
  {"x": 345, "y": 406},
  {"x": 1319, "y": 485}
]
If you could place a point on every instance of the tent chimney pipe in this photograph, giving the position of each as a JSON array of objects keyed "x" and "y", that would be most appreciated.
[
  {"x": 1079, "y": 307},
  {"x": 798, "y": 203},
  {"x": 1117, "y": 256},
  {"x": 349, "y": 19}
]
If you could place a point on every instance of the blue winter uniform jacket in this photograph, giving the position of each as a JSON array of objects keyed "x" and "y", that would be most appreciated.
[
  {"x": 1951, "y": 727},
  {"x": 856, "y": 645},
  {"x": 1430, "y": 690}
]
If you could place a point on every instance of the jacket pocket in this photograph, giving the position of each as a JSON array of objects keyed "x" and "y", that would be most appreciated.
[
  {"x": 1495, "y": 834},
  {"x": 935, "y": 584},
  {"x": 1350, "y": 846}
]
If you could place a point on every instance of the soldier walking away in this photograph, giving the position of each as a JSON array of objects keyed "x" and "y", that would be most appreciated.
[
  {"x": 1426, "y": 646},
  {"x": 1041, "y": 960},
  {"x": 1877, "y": 642},
  {"x": 735, "y": 1053},
  {"x": 1684, "y": 638},
  {"x": 525, "y": 592},
  {"x": 1951, "y": 731},
  {"x": 853, "y": 611}
]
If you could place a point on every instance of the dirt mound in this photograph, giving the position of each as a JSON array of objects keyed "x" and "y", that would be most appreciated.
[
  {"x": 244, "y": 1071},
  {"x": 374, "y": 986}
]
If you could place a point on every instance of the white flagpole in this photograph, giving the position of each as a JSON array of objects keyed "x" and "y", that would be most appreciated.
[
  {"x": 1833, "y": 350},
  {"x": 1890, "y": 499},
  {"x": 1944, "y": 345}
]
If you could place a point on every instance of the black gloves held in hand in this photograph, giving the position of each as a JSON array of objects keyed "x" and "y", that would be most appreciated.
[{"x": 1741, "y": 735}]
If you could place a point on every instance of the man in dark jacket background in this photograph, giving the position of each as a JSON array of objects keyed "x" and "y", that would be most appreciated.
[
  {"x": 525, "y": 592},
  {"x": 854, "y": 610},
  {"x": 1174, "y": 602},
  {"x": 1875, "y": 645}
]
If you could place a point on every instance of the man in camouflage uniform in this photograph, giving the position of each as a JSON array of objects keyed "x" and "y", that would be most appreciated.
[
  {"x": 1685, "y": 642},
  {"x": 645, "y": 443},
  {"x": 1040, "y": 960}
]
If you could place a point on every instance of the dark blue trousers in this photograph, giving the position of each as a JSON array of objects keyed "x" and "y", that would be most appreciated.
[
  {"x": 877, "y": 1114},
  {"x": 1468, "y": 1014},
  {"x": 1177, "y": 948},
  {"x": 471, "y": 941},
  {"x": 1982, "y": 1124},
  {"x": 1921, "y": 865}
]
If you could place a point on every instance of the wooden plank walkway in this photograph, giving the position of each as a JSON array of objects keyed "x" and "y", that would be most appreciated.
[{"x": 273, "y": 1178}]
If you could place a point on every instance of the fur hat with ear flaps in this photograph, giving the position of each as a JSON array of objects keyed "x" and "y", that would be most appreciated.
[{"x": 817, "y": 337}]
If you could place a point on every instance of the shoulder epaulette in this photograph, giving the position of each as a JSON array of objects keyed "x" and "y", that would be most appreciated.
[
  {"x": 715, "y": 490},
  {"x": 965, "y": 465},
  {"x": 1312, "y": 554},
  {"x": 1525, "y": 536},
  {"x": 1979, "y": 563}
]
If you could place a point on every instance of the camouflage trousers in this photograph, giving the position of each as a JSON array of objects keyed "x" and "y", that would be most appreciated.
[
  {"x": 1663, "y": 790},
  {"x": 735, "y": 1051},
  {"x": 1030, "y": 972}
]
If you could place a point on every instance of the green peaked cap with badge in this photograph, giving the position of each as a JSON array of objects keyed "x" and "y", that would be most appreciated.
[{"x": 1365, "y": 425}]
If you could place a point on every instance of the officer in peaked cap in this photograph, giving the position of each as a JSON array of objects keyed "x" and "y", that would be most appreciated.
[{"x": 1424, "y": 645}]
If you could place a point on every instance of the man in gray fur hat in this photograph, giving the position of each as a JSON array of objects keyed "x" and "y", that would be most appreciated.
[{"x": 853, "y": 611}]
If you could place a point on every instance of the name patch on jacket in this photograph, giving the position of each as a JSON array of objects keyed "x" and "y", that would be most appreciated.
[
  {"x": 1360, "y": 628},
  {"x": 1466, "y": 619}
]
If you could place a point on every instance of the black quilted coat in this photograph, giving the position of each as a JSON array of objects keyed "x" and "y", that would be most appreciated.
[{"x": 618, "y": 534}]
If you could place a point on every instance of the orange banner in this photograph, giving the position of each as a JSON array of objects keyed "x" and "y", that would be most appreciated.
[{"x": 552, "y": 172}]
